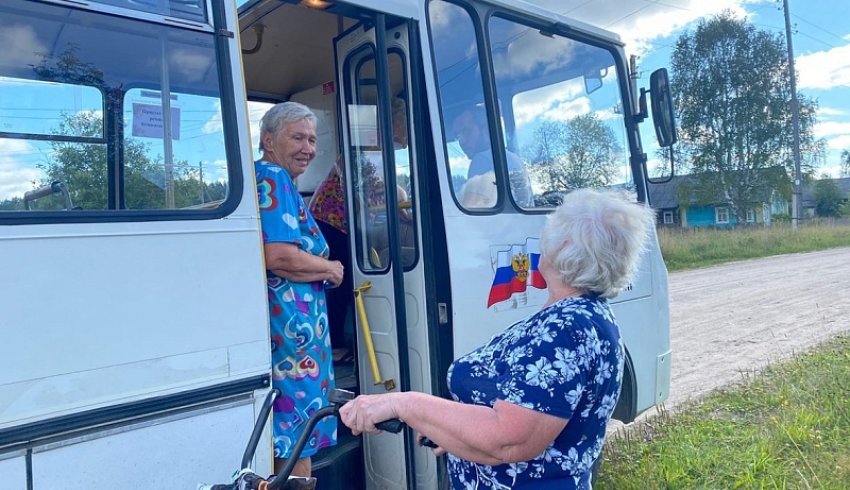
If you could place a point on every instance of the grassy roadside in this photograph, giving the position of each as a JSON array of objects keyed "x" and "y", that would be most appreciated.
[
  {"x": 787, "y": 427},
  {"x": 695, "y": 248}
]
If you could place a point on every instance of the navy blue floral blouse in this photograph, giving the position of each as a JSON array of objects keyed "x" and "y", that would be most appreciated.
[{"x": 565, "y": 360}]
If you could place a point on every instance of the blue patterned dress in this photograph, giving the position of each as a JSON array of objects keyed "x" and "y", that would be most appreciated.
[
  {"x": 565, "y": 360},
  {"x": 302, "y": 364}
]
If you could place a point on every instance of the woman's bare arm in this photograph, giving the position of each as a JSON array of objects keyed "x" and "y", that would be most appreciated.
[
  {"x": 290, "y": 262},
  {"x": 505, "y": 433}
]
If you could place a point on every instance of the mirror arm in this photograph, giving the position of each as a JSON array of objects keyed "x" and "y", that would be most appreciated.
[{"x": 642, "y": 112}]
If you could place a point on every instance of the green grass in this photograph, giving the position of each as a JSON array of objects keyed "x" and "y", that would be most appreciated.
[
  {"x": 695, "y": 248},
  {"x": 787, "y": 427}
]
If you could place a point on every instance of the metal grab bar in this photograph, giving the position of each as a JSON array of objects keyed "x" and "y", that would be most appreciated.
[
  {"x": 48, "y": 190},
  {"x": 389, "y": 384}
]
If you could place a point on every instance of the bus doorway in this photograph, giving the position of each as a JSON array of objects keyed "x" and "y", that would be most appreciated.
[{"x": 352, "y": 67}]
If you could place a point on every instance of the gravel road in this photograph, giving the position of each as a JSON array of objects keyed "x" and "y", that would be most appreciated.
[{"x": 737, "y": 317}]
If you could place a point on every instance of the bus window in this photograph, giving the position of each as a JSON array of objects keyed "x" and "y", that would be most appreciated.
[
  {"x": 75, "y": 112},
  {"x": 183, "y": 9},
  {"x": 367, "y": 171},
  {"x": 65, "y": 120},
  {"x": 403, "y": 155},
  {"x": 256, "y": 111},
  {"x": 560, "y": 100},
  {"x": 368, "y": 167},
  {"x": 153, "y": 182},
  {"x": 467, "y": 136}
]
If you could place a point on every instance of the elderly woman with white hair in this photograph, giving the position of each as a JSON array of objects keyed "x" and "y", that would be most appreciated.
[
  {"x": 297, "y": 266},
  {"x": 531, "y": 405}
]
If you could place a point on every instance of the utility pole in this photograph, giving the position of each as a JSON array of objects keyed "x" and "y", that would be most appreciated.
[{"x": 797, "y": 199}]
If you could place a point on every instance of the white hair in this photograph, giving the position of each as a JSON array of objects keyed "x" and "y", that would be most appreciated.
[
  {"x": 282, "y": 114},
  {"x": 594, "y": 239}
]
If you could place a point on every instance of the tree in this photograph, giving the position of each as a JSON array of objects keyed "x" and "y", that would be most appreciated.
[
  {"x": 82, "y": 167},
  {"x": 827, "y": 197},
  {"x": 845, "y": 163},
  {"x": 580, "y": 152},
  {"x": 732, "y": 93}
]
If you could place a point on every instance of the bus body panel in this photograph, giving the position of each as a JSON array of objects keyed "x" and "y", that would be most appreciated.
[
  {"x": 126, "y": 314},
  {"x": 168, "y": 453}
]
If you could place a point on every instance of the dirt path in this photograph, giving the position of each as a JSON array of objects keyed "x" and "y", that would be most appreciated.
[{"x": 737, "y": 317}]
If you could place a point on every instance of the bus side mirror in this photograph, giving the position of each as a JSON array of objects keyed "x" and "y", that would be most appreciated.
[{"x": 662, "y": 108}]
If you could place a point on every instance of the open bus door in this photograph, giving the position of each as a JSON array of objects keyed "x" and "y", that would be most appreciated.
[{"x": 373, "y": 71}]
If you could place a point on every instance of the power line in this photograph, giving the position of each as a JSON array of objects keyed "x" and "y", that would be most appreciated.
[
  {"x": 818, "y": 27},
  {"x": 797, "y": 31},
  {"x": 815, "y": 39},
  {"x": 649, "y": 4}
]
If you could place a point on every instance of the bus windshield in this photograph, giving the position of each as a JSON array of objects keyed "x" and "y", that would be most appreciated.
[{"x": 559, "y": 102}]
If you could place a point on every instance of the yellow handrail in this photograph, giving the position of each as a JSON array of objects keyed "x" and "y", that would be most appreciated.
[{"x": 389, "y": 384}]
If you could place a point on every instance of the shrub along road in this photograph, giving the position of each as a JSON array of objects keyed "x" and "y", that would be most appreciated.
[{"x": 736, "y": 318}]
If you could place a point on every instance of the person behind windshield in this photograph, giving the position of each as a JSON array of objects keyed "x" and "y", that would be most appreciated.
[
  {"x": 473, "y": 136},
  {"x": 530, "y": 406},
  {"x": 297, "y": 264}
]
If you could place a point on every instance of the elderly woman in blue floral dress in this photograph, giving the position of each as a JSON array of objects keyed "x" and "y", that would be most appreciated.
[
  {"x": 297, "y": 267},
  {"x": 531, "y": 405}
]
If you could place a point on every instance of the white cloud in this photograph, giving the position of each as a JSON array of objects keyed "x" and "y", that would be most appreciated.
[
  {"x": 531, "y": 104},
  {"x": 831, "y": 112},
  {"x": 839, "y": 143},
  {"x": 16, "y": 177},
  {"x": 256, "y": 110},
  {"x": 458, "y": 161},
  {"x": 834, "y": 171},
  {"x": 213, "y": 124},
  {"x": 215, "y": 171},
  {"x": 831, "y": 128},
  {"x": 639, "y": 22},
  {"x": 837, "y": 134},
  {"x": 825, "y": 69},
  {"x": 21, "y": 46},
  {"x": 568, "y": 109},
  {"x": 191, "y": 64},
  {"x": 532, "y": 54},
  {"x": 440, "y": 14}
]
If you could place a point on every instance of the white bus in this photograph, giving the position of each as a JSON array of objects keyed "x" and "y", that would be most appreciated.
[{"x": 133, "y": 314}]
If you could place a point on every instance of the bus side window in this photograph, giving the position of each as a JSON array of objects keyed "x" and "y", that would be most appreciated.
[
  {"x": 65, "y": 135},
  {"x": 87, "y": 119},
  {"x": 466, "y": 132}
]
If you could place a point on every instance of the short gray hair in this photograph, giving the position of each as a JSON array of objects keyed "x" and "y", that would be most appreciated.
[
  {"x": 594, "y": 239},
  {"x": 282, "y": 114}
]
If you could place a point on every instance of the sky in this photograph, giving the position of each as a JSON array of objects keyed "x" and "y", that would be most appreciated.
[
  {"x": 649, "y": 28},
  {"x": 820, "y": 37}
]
